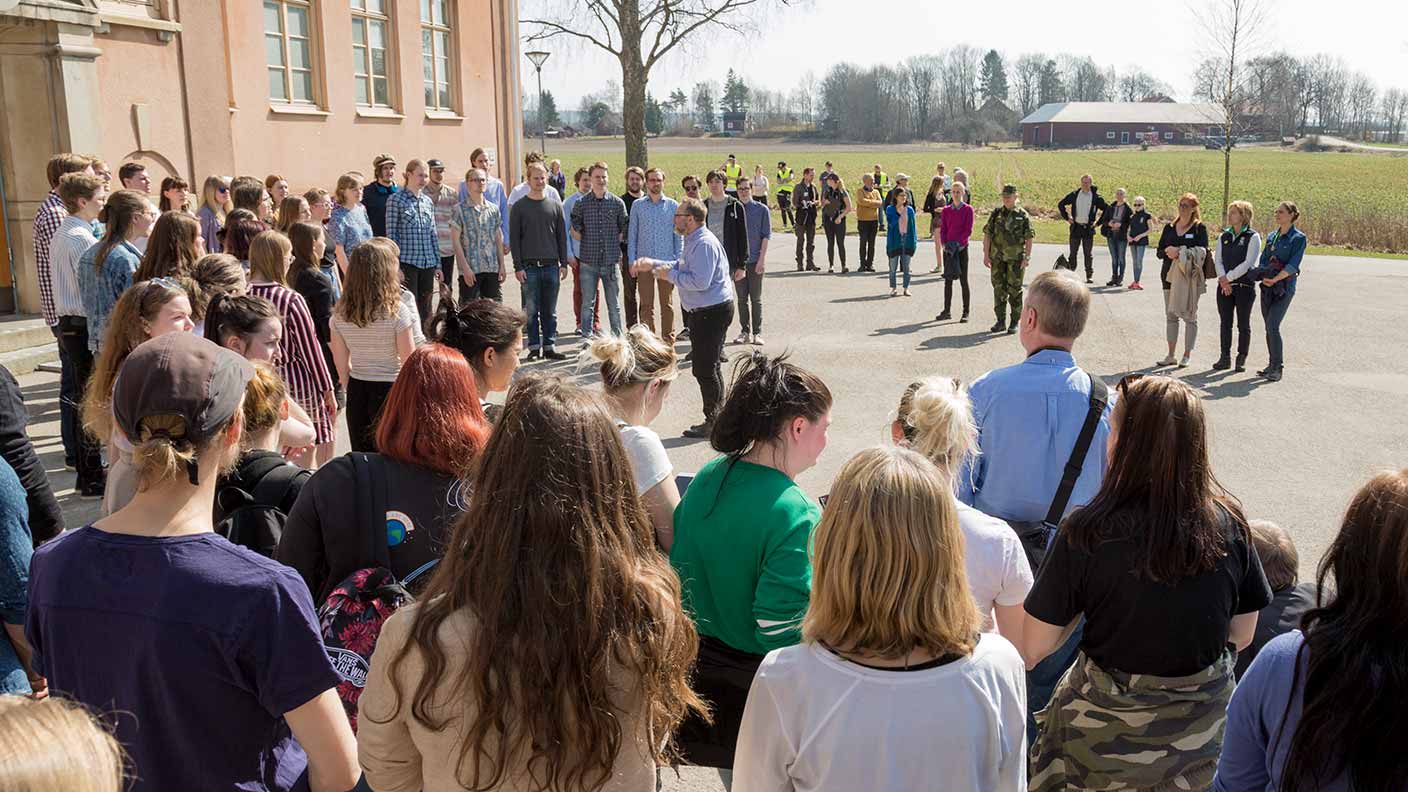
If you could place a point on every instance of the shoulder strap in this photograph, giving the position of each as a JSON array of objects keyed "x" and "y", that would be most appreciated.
[
  {"x": 1099, "y": 397},
  {"x": 277, "y": 483},
  {"x": 371, "y": 504}
]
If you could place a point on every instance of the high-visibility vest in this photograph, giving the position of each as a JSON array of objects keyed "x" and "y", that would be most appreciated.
[
  {"x": 784, "y": 180},
  {"x": 731, "y": 176},
  {"x": 883, "y": 182}
]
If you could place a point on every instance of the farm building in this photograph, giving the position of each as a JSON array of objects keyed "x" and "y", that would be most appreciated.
[{"x": 1071, "y": 124}]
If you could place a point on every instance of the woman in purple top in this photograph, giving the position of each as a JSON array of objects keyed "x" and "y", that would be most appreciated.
[
  {"x": 955, "y": 227},
  {"x": 1322, "y": 708}
]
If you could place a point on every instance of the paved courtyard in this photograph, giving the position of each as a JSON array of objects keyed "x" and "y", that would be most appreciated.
[{"x": 1292, "y": 451}]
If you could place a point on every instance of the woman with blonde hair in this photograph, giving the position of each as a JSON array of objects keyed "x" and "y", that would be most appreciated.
[
  {"x": 935, "y": 418},
  {"x": 934, "y": 202},
  {"x": 893, "y": 685},
  {"x": 349, "y": 225},
  {"x": 215, "y": 204},
  {"x": 173, "y": 246},
  {"x": 636, "y": 372},
  {"x": 1238, "y": 252},
  {"x": 1183, "y": 247},
  {"x": 300, "y": 361},
  {"x": 457, "y": 696},
  {"x": 372, "y": 334},
  {"x": 55, "y": 744}
]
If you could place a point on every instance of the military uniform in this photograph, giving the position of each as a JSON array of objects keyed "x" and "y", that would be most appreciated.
[{"x": 1009, "y": 230}]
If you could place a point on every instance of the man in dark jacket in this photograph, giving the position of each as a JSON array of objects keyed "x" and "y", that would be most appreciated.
[
  {"x": 46, "y": 520},
  {"x": 805, "y": 200},
  {"x": 1081, "y": 208},
  {"x": 727, "y": 221}
]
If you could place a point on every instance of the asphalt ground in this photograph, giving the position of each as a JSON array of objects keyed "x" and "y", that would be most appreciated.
[{"x": 1293, "y": 452}]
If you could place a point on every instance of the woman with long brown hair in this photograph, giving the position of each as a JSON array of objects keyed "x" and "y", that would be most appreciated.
[
  {"x": 882, "y": 693},
  {"x": 307, "y": 277},
  {"x": 292, "y": 209},
  {"x": 175, "y": 195},
  {"x": 1321, "y": 708},
  {"x": 523, "y": 669},
  {"x": 105, "y": 270},
  {"x": 172, "y": 248},
  {"x": 372, "y": 334},
  {"x": 1161, "y": 567}
]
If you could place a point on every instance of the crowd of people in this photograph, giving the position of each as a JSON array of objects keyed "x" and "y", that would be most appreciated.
[{"x": 1039, "y": 583}]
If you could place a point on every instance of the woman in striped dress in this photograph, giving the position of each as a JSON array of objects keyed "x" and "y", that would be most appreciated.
[{"x": 300, "y": 361}]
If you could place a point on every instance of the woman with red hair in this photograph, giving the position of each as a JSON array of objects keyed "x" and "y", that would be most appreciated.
[{"x": 392, "y": 509}]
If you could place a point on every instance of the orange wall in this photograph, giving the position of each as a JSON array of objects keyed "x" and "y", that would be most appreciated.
[{"x": 138, "y": 68}]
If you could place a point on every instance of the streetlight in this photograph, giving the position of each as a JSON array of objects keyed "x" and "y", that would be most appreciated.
[{"x": 539, "y": 57}]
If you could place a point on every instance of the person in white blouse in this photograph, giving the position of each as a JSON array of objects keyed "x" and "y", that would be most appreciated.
[
  {"x": 1238, "y": 251},
  {"x": 760, "y": 185},
  {"x": 893, "y": 686}
]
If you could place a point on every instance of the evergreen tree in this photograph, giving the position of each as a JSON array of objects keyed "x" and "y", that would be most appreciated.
[
  {"x": 1049, "y": 88},
  {"x": 548, "y": 110},
  {"x": 704, "y": 104},
  {"x": 993, "y": 77},
  {"x": 735, "y": 98},
  {"x": 654, "y": 116},
  {"x": 679, "y": 101}
]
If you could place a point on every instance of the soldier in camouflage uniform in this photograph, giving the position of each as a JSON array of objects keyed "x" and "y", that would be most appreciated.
[{"x": 1007, "y": 248}]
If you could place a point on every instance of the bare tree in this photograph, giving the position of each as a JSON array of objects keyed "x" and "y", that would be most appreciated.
[
  {"x": 1363, "y": 100},
  {"x": 923, "y": 75},
  {"x": 1138, "y": 85},
  {"x": 1233, "y": 30},
  {"x": 1027, "y": 81},
  {"x": 638, "y": 33},
  {"x": 1085, "y": 82},
  {"x": 1329, "y": 79}
]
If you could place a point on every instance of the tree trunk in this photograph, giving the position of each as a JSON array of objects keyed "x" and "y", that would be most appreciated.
[
  {"x": 1226, "y": 175},
  {"x": 634, "y": 78}
]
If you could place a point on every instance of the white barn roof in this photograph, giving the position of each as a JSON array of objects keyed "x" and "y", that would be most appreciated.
[{"x": 1125, "y": 113}]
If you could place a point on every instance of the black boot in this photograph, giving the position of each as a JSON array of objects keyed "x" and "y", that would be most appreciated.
[
  {"x": 998, "y": 326},
  {"x": 1012, "y": 327},
  {"x": 943, "y": 317},
  {"x": 1241, "y": 363},
  {"x": 1223, "y": 363}
]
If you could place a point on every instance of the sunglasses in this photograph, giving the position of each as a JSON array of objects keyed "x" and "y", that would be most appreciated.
[
  {"x": 165, "y": 283},
  {"x": 222, "y": 189}
]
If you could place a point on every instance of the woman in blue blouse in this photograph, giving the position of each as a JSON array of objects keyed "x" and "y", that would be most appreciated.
[
  {"x": 16, "y": 547},
  {"x": 348, "y": 226},
  {"x": 1279, "y": 271},
  {"x": 105, "y": 270},
  {"x": 900, "y": 237}
]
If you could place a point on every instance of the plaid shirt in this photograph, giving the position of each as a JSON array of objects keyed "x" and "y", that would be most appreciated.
[
  {"x": 410, "y": 223},
  {"x": 602, "y": 222},
  {"x": 478, "y": 227},
  {"x": 445, "y": 200},
  {"x": 47, "y": 220}
]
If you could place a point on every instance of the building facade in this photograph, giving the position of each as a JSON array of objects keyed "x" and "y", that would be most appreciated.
[
  {"x": 307, "y": 89},
  {"x": 1076, "y": 124}
]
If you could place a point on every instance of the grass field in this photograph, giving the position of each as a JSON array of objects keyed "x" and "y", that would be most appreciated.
[{"x": 1349, "y": 202}]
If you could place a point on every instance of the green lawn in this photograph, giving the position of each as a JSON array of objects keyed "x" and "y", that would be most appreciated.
[{"x": 1349, "y": 202}]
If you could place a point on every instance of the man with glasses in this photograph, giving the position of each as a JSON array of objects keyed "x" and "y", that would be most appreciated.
[
  {"x": 635, "y": 182},
  {"x": 651, "y": 234},
  {"x": 538, "y": 238},
  {"x": 700, "y": 275},
  {"x": 691, "y": 185},
  {"x": 805, "y": 200},
  {"x": 477, "y": 242},
  {"x": 599, "y": 225},
  {"x": 444, "y": 198},
  {"x": 748, "y": 281}
]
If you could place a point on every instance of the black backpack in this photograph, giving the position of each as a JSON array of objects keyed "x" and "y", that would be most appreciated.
[{"x": 255, "y": 517}]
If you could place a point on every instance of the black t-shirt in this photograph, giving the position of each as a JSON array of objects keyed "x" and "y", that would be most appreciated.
[
  {"x": 1278, "y": 618},
  {"x": 1195, "y": 236},
  {"x": 1138, "y": 224},
  {"x": 1141, "y": 627}
]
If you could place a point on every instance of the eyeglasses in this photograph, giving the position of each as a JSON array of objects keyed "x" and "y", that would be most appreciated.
[
  {"x": 479, "y": 179},
  {"x": 681, "y": 214},
  {"x": 743, "y": 187},
  {"x": 222, "y": 189},
  {"x": 692, "y": 188}
]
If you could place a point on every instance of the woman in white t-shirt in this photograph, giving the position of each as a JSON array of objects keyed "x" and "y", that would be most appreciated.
[
  {"x": 893, "y": 686},
  {"x": 935, "y": 418},
  {"x": 636, "y": 372}
]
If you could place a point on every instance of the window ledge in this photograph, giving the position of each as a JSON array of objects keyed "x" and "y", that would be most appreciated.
[
  {"x": 280, "y": 108},
  {"x": 164, "y": 28},
  {"x": 442, "y": 115},
  {"x": 378, "y": 112}
]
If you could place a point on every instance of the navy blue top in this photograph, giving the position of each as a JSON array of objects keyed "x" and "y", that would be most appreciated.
[{"x": 374, "y": 197}]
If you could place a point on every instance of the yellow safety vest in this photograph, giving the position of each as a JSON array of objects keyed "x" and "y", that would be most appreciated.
[
  {"x": 731, "y": 175},
  {"x": 784, "y": 180},
  {"x": 883, "y": 183}
]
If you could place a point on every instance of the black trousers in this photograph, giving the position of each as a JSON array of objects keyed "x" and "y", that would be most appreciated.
[
  {"x": 1082, "y": 237},
  {"x": 959, "y": 271},
  {"x": 807, "y": 232},
  {"x": 1239, "y": 305},
  {"x": 867, "y": 229},
  {"x": 722, "y": 676},
  {"x": 486, "y": 287},
  {"x": 784, "y": 205},
  {"x": 420, "y": 282},
  {"x": 447, "y": 272},
  {"x": 835, "y": 238},
  {"x": 364, "y": 400},
  {"x": 707, "y": 329},
  {"x": 73, "y": 340},
  {"x": 628, "y": 289}
]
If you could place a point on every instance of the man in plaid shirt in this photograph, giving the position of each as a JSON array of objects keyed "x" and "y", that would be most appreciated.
[
  {"x": 410, "y": 223},
  {"x": 47, "y": 220},
  {"x": 599, "y": 222}
]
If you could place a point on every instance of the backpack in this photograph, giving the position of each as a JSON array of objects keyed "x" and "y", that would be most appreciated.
[
  {"x": 255, "y": 517},
  {"x": 358, "y": 607}
]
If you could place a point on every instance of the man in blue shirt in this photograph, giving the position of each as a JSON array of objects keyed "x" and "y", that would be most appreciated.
[
  {"x": 749, "y": 279},
  {"x": 651, "y": 234},
  {"x": 1028, "y": 418}
]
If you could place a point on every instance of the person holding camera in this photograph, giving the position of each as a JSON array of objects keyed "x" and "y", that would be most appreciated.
[{"x": 1278, "y": 273}]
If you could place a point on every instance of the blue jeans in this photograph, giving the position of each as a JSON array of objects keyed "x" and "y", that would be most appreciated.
[
  {"x": 899, "y": 262},
  {"x": 540, "y": 285},
  {"x": 1042, "y": 680},
  {"x": 1137, "y": 252},
  {"x": 69, "y": 398},
  {"x": 1117, "y": 251},
  {"x": 608, "y": 278},
  {"x": 1273, "y": 313}
]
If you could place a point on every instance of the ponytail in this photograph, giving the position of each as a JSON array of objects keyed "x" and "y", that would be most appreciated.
[
  {"x": 936, "y": 419},
  {"x": 264, "y": 399}
]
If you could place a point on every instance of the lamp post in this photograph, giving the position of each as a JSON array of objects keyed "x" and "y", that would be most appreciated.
[{"x": 539, "y": 57}]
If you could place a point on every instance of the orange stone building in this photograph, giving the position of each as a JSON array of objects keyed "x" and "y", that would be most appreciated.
[{"x": 307, "y": 89}]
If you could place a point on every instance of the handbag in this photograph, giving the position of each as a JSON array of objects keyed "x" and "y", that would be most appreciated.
[{"x": 1209, "y": 267}]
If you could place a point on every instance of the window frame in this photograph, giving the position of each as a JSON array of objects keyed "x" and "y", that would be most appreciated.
[
  {"x": 1168, "y": 136},
  {"x": 315, "y": 92},
  {"x": 446, "y": 28},
  {"x": 1109, "y": 134},
  {"x": 364, "y": 17}
]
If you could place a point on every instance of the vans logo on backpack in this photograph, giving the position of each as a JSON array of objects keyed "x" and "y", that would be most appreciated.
[{"x": 351, "y": 666}]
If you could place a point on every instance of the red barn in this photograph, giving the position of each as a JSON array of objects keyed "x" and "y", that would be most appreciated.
[{"x": 1075, "y": 124}]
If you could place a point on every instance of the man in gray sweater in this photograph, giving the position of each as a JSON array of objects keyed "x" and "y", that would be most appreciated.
[{"x": 537, "y": 238}]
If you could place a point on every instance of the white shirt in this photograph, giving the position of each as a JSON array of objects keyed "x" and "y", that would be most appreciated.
[
  {"x": 649, "y": 461},
  {"x": 997, "y": 567},
  {"x": 522, "y": 189},
  {"x": 760, "y": 185},
  {"x": 1083, "y": 201},
  {"x": 1253, "y": 259},
  {"x": 68, "y": 244},
  {"x": 817, "y": 722}
]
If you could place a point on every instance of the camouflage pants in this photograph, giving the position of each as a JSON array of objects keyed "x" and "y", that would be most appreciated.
[
  {"x": 1106, "y": 731},
  {"x": 1007, "y": 279}
]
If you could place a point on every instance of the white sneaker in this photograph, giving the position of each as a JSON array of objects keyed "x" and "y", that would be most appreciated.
[
  {"x": 742, "y": 338},
  {"x": 906, "y": 292},
  {"x": 757, "y": 340}
]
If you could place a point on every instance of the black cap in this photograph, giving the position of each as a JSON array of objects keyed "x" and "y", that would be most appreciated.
[{"x": 435, "y": 163}]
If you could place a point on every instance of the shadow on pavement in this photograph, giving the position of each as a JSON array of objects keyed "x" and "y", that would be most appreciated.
[{"x": 959, "y": 341}]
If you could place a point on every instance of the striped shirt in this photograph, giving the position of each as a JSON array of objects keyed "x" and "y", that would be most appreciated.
[
  {"x": 371, "y": 350},
  {"x": 47, "y": 220},
  {"x": 102, "y": 286},
  {"x": 73, "y": 239},
  {"x": 445, "y": 200},
  {"x": 410, "y": 223},
  {"x": 348, "y": 227},
  {"x": 301, "y": 362}
]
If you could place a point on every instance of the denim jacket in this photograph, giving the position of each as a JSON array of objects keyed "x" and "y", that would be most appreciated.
[{"x": 1289, "y": 249}]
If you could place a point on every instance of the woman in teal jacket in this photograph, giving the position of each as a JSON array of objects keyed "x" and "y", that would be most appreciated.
[{"x": 900, "y": 237}]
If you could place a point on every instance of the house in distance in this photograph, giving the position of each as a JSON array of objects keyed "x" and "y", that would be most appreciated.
[{"x": 1076, "y": 124}]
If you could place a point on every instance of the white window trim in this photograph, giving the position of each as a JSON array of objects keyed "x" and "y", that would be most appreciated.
[
  {"x": 1110, "y": 135},
  {"x": 450, "y": 67}
]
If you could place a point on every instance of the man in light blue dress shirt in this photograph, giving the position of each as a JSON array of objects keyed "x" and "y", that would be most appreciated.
[
  {"x": 652, "y": 235},
  {"x": 1028, "y": 417}
]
